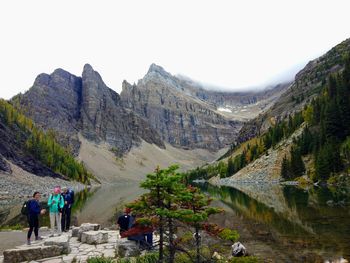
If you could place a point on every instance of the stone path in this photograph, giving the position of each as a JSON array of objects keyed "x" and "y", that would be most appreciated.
[{"x": 67, "y": 248}]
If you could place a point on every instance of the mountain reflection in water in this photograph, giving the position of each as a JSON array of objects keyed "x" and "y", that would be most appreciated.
[
  {"x": 297, "y": 221},
  {"x": 97, "y": 204}
]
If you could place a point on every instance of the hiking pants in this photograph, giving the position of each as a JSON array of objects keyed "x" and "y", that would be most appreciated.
[
  {"x": 55, "y": 218},
  {"x": 33, "y": 221},
  {"x": 66, "y": 212}
]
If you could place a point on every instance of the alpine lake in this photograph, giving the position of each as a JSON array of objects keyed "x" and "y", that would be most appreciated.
[{"x": 276, "y": 223}]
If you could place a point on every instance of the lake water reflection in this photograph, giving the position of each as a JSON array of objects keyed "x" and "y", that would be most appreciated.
[
  {"x": 97, "y": 204},
  {"x": 280, "y": 223},
  {"x": 298, "y": 222}
]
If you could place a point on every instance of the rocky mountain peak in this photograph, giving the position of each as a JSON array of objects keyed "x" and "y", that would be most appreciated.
[
  {"x": 42, "y": 79},
  {"x": 61, "y": 72},
  {"x": 58, "y": 79},
  {"x": 71, "y": 105},
  {"x": 157, "y": 75},
  {"x": 156, "y": 69},
  {"x": 89, "y": 74},
  {"x": 88, "y": 68},
  {"x": 126, "y": 85}
]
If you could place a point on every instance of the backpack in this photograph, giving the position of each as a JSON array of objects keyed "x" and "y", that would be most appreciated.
[{"x": 25, "y": 208}]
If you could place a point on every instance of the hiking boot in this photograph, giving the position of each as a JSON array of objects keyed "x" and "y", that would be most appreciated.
[
  {"x": 38, "y": 238},
  {"x": 28, "y": 242}
]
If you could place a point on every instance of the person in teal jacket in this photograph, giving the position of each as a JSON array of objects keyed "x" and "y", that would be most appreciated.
[{"x": 55, "y": 204}]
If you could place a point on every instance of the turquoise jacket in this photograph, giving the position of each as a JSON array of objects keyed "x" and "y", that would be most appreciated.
[{"x": 53, "y": 206}]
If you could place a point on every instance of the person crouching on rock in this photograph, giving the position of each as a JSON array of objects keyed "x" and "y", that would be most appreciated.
[
  {"x": 34, "y": 210},
  {"x": 55, "y": 204},
  {"x": 141, "y": 232},
  {"x": 125, "y": 221}
]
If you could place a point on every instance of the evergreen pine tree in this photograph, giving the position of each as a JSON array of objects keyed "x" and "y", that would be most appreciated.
[
  {"x": 284, "y": 168},
  {"x": 322, "y": 165},
  {"x": 230, "y": 167}
]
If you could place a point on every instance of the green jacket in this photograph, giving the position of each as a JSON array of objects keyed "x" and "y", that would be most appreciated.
[{"x": 53, "y": 206}]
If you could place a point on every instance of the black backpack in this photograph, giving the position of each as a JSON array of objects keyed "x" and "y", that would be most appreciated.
[{"x": 25, "y": 208}]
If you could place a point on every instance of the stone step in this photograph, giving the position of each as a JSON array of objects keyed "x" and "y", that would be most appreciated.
[{"x": 31, "y": 253}]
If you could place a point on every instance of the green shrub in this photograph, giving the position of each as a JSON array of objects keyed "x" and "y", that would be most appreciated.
[
  {"x": 249, "y": 259},
  {"x": 148, "y": 258},
  {"x": 100, "y": 260},
  {"x": 14, "y": 227},
  {"x": 228, "y": 234}
]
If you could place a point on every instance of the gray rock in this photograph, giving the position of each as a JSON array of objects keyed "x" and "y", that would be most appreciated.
[
  {"x": 87, "y": 227},
  {"x": 75, "y": 231},
  {"x": 69, "y": 104},
  {"x": 94, "y": 237},
  {"x": 127, "y": 248},
  {"x": 60, "y": 241},
  {"x": 171, "y": 107},
  {"x": 105, "y": 119},
  {"x": 31, "y": 253},
  {"x": 238, "y": 250},
  {"x": 53, "y": 102}
]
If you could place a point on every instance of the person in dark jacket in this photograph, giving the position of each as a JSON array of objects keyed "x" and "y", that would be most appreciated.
[
  {"x": 68, "y": 196},
  {"x": 125, "y": 221},
  {"x": 34, "y": 210}
]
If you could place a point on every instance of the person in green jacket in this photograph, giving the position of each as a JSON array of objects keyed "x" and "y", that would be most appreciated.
[{"x": 55, "y": 204}]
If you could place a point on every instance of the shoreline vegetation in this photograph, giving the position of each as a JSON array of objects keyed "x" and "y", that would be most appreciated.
[
  {"x": 318, "y": 136},
  {"x": 179, "y": 213}
]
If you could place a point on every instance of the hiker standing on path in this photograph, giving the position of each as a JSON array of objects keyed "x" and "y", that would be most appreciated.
[
  {"x": 68, "y": 197},
  {"x": 33, "y": 210},
  {"x": 55, "y": 204}
]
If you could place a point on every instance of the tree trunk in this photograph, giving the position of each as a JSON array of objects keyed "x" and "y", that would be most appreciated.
[
  {"x": 161, "y": 240},
  {"x": 161, "y": 230},
  {"x": 171, "y": 241},
  {"x": 198, "y": 260}
]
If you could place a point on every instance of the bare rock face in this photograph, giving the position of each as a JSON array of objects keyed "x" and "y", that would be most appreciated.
[
  {"x": 160, "y": 108},
  {"x": 54, "y": 103},
  {"x": 104, "y": 118},
  {"x": 182, "y": 119},
  {"x": 69, "y": 104}
]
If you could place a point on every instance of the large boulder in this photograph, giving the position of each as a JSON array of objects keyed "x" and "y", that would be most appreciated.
[
  {"x": 60, "y": 241},
  {"x": 94, "y": 237},
  {"x": 238, "y": 250},
  {"x": 75, "y": 231},
  {"x": 31, "y": 253},
  {"x": 87, "y": 227},
  {"x": 127, "y": 248}
]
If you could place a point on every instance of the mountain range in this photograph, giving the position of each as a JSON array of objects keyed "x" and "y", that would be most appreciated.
[
  {"x": 161, "y": 111},
  {"x": 160, "y": 108},
  {"x": 171, "y": 115}
]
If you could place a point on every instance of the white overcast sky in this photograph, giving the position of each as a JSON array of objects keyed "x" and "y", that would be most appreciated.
[{"x": 229, "y": 44}]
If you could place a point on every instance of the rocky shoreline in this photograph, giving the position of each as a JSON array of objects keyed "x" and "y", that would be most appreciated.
[
  {"x": 20, "y": 185},
  {"x": 77, "y": 245}
]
